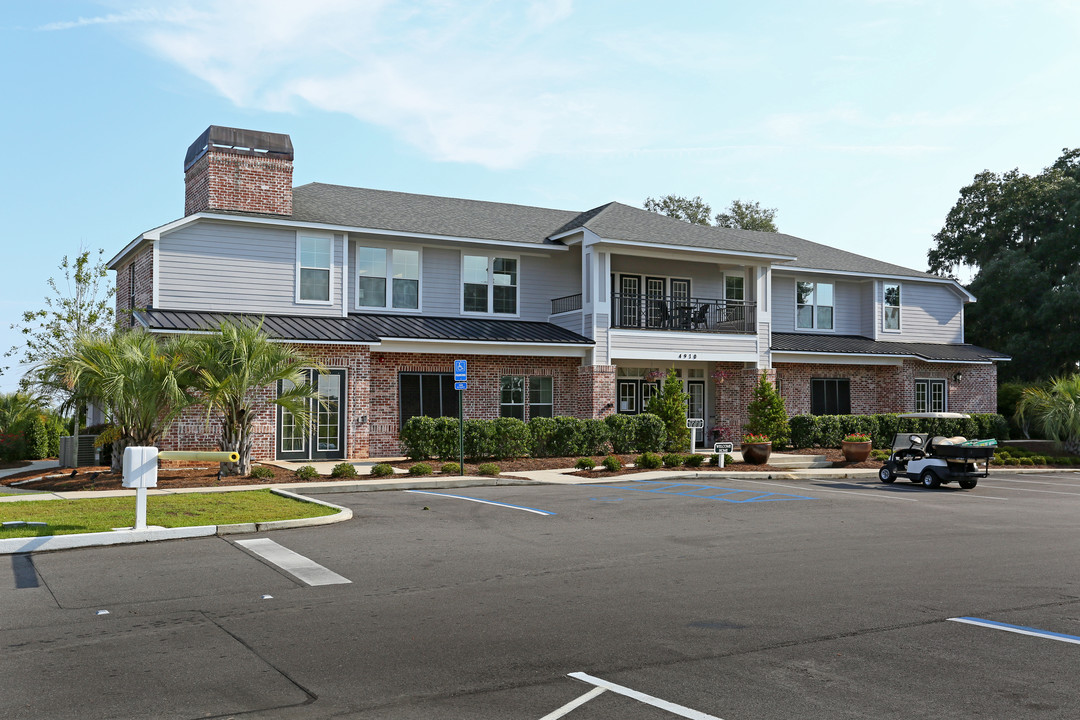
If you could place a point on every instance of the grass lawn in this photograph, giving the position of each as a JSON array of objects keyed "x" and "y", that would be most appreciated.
[{"x": 66, "y": 517}]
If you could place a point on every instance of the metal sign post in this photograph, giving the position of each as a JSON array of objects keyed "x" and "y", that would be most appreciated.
[{"x": 461, "y": 384}]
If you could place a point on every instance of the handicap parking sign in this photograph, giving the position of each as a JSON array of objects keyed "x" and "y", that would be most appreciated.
[{"x": 460, "y": 371}]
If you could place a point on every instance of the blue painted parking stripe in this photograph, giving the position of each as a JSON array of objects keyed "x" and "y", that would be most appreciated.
[
  {"x": 484, "y": 502},
  {"x": 1020, "y": 629}
]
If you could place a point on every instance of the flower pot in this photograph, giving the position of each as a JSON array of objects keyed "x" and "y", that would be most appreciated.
[
  {"x": 855, "y": 451},
  {"x": 756, "y": 453}
]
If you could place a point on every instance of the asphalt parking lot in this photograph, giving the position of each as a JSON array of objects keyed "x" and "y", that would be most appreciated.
[{"x": 716, "y": 598}]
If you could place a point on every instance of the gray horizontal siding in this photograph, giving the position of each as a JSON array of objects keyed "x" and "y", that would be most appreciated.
[
  {"x": 929, "y": 313},
  {"x": 666, "y": 346},
  {"x": 232, "y": 268},
  {"x": 706, "y": 279},
  {"x": 570, "y": 320}
]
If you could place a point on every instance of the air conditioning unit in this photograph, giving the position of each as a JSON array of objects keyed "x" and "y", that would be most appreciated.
[{"x": 78, "y": 451}]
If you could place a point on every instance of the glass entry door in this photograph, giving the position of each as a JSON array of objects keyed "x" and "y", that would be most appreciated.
[{"x": 324, "y": 438}]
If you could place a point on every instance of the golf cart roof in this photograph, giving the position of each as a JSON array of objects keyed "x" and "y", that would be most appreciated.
[{"x": 935, "y": 416}]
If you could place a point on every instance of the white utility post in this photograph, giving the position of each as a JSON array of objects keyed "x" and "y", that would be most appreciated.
[
  {"x": 141, "y": 466},
  {"x": 723, "y": 447},
  {"x": 694, "y": 424}
]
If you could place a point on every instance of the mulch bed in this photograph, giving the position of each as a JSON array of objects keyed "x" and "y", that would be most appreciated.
[{"x": 172, "y": 475}]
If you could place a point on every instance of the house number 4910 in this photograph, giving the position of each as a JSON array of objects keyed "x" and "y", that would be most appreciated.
[{"x": 688, "y": 356}]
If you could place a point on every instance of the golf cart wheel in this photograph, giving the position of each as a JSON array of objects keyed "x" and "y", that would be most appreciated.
[
  {"x": 886, "y": 474},
  {"x": 929, "y": 480},
  {"x": 968, "y": 483}
]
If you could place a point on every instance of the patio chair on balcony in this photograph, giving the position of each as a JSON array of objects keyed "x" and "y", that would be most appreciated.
[
  {"x": 663, "y": 316},
  {"x": 700, "y": 317}
]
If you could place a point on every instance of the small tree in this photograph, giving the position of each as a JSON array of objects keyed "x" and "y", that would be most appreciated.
[
  {"x": 669, "y": 404},
  {"x": 767, "y": 415},
  {"x": 1054, "y": 410}
]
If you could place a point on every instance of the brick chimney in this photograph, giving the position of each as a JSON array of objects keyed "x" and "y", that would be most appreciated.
[{"x": 239, "y": 170}]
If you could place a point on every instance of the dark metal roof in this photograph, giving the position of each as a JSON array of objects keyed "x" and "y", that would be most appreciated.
[
  {"x": 367, "y": 328},
  {"x": 859, "y": 345},
  {"x": 239, "y": 142}
]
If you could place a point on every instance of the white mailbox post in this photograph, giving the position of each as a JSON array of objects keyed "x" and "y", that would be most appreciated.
[
  {"x": 695, "y": 424},
  {"x": 140, "y": 472}
]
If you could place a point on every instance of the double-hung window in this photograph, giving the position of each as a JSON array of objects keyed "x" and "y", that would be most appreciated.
[
  {"x": 490, "y": 284},
  {"x": 813, "y": 305},
  {"x": 315, "y": 257},
  {"x": 734, "y": 287},
  {"x": 931, "y": 396},
  {"x": 892, "y": 306},
  {"x": 541, "y": 396},
  {"x": 401, "y": 266},
  {"x": 513, "y": 398}
]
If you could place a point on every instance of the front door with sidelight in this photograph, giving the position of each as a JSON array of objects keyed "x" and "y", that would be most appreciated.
[{"x": 324, "y": 437}]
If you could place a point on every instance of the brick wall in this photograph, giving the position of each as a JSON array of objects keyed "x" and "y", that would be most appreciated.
[
  {"x": 595, "y": 391},
  {"x": 220, "y": 180}
]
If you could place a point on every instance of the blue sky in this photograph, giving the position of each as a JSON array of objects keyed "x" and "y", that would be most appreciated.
[{"x": 858, "y": 121}]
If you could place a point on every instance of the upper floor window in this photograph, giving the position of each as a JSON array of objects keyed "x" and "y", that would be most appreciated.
[
  {"x": 489, "y": 284},
  {"x": 375, "y": 265},
  {"x": 734, "y": 287},
  {"x": 892, "y": 306},
  {"x": 813, "y": 305},
  {"x": 315, "y": 257}
]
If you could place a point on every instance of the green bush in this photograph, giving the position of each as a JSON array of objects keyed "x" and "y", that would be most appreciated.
[
  {"x": 996, "y": 461},
  {"x": 881, "y": 455},
  {"x": 307, "y": 472},
  {"x": 1012, "y": 461},
  {"x": 594, "y": 438},
  {"x": 488, "y": 469},
  {"x": 612, "y": 463},
  {"x": 809, "y": 431},
  {"x": 36, "y": 437},
  {"x": 343, "y": 470},
  {"x": 766, "y": 413},
  {"x": 649, "y": 461},
  {"x": 803, "y": 431},
  {"x": 542, "y": 434},
  {"x": 693, "y": 461},
  {"x": 585, "y": 463},
  {"x": 450, "y": 469},
  {"x": 715, "y": 460},
  {"x": 480, "y": 439},
  {"x": 567, "y": 439},
  {"x": 1026, "y": 461},
  {"x": 424, "y": 438},
  {"x": 672, "y": 459},
  {"x": 261, "y": 472},
  {"x": 512, "y": 438},
  {"x": 669, "y": 403},
  {"x": 622, "y": 432},
  {"x": 381, "y": 470},
  {"x": 420, "y": 469},
  {"x": 651, "y": 434}
]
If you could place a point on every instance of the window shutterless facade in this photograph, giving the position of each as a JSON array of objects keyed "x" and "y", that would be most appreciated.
[
  {"x": 314, "y": 260},
  {"x": 430, "y": 394},
  {"x": 891, "y": 304},
  {"x": 513, "y": 398},
  {"x": 830, "y": 396},
  {"x": 931, "y": 396},
  {"x": 813, "y": 305},
  {"x": 541, "y": 396},
  {"x": 489, "y": 284},
  {"x": 374, "y": 266}
]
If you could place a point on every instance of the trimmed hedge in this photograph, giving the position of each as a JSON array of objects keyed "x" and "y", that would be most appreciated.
[{"x": 809, "y": 431}]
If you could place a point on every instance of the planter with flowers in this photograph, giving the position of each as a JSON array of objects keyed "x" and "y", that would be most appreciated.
[
  {"x": 719, "y": 376},
  {"x": 654, "y": 376},
  {"x": 756, "y": 449},
  {"x": 856, "y": 447}
]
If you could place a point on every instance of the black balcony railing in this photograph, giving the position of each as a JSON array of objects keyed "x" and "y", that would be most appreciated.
[
  {"x": 707, "y": 315},
  {"x": 566, "y": 304}
]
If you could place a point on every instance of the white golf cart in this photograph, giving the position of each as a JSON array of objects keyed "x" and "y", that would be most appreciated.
[{"x": 933, "y": 461}]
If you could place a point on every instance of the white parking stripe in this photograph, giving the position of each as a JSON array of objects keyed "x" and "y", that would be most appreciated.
[
  {"x": 306, "y": 571},
  {"x": 642, "y": 697},
  {"x": 1019, "y": 629},
  {"x": 1041, "y": 482},
  {"x": 804, "y": 488},
  {"x": 1024, "y": 489},
  {"x": 574, "y": 704}
]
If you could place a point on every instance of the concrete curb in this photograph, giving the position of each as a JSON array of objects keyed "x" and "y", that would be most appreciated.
[{"x": 46, "y": 543}]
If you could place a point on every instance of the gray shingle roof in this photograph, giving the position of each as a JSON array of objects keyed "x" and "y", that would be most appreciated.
[
  {"x": 859, "y": 345},
  {"x": 360, "y": 328}
]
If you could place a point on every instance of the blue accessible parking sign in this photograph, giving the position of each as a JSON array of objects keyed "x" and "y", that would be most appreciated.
[
  {"x": 460, "y": 372},
  {"x": 461, "y": 386}
]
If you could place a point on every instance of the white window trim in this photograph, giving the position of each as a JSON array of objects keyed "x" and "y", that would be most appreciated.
[
  {"x": 814, "y": 316},
  {"x": 899, "y": 308},
  {"x": 666, "y": 278},
  {"x": 389, "y": 248},
  {"x": 330, "y": 291},
  {"x": 741, "y": 276},
  {"x": 528, "y": 396},
  {"x": 929, "y": 394},
  {"x": 491, "y": 256}
]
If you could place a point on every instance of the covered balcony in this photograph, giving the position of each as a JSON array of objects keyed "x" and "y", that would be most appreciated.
[{"x": 636, "y": 311}]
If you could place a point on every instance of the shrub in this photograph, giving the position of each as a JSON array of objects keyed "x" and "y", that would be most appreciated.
[
  {"x": 1012, "y": 461},
  {"x": 1026, "y": 461},
  {"x": 36, "y": 436},
  {"x": 479, "y": 439},
  {"x": 344, "y": 470},
  {"x": 381, "y": 470},
  {"x": 450, "y": 469},
  {"x": 766, "y": 413},
  {"x": 650, "y": 433},
  {"x": 585, "y": 463},
  {"x": 612, "y": 464},
  {"x": 829, "y": 430},
  {"x": 649, "y": 461},
  {"x": 488, "y": 469},
  {"x": 566, "y": 441},
  {"x": 672, "y": 459},
  {"x": 996, "y": 461},
  {"x": 261, "y": 472},
  {"x": 857, "y": 437},
  {"x": 307, "y": 472},
  {"x": 715, "y": 459},
  {"x": 803, "y": 431},
  {"x": 693, "y": 461},
  {"x": 594, "y": 437},
  {"x": 542, "y": 434},
  {"x": 512, "y": 438},
  {"x": 622, "y": 432},
  {"x": 880, "y": 454},
  {"x": 420, "y": 469},
  {"x": 417, "y": 437},
  {"x": 1073, "y": 460},
  {"x": 669, "y": 404}
]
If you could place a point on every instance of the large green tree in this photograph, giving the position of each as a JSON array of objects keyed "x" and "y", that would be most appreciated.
[
  {"x": 739, "y": 215},
  {"x": 1020, "y": 236},
  {"x": 231, "y": 367}
]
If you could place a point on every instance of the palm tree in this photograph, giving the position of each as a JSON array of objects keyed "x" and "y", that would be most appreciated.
[
  {"x": 143, "y": 381},
  {"x": 18, "y": 408},
  {"x": 232, "y": 366},
  {"x": 1055, "y": 410}
]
